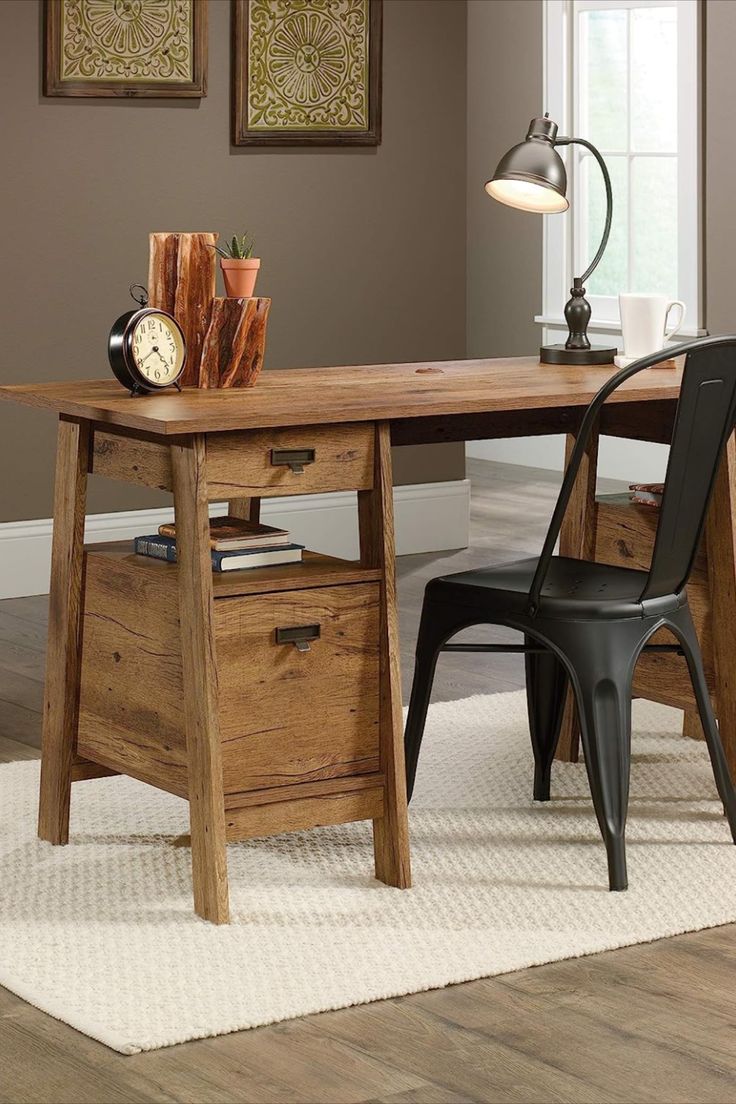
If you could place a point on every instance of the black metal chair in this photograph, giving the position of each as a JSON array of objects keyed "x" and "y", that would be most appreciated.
[{"x": 587, "y": 621}]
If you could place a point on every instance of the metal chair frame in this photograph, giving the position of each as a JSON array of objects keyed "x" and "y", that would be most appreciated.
[{"x": 595, "y": 643}]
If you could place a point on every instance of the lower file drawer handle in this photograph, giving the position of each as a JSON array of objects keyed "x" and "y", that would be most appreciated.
[
  {"x": 298, "y": 635},
  {"x": 292, "y": 458}
]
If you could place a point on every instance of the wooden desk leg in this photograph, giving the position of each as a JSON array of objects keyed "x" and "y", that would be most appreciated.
[
  {"x": 577, "y": 539},
  {"x": 720, "y": 535},
  {"x": 377, "y": 549},
  {"x": 63, "y": 654},
  {"x": 249, "y": 509},
  {"x": 206, "y": 797}
]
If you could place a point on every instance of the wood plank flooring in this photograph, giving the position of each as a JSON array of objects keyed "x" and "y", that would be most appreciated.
[{"x": 653, "y": 1023}]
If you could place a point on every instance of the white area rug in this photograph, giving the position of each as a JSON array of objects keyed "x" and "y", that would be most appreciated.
[{"x": 101, "y": 933}]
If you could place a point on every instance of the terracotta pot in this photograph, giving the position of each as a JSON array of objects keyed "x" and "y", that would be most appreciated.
[{"x": 240, "y": 277}]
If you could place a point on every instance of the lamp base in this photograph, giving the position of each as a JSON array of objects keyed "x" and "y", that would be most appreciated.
[{"x": 558, "y": 354}]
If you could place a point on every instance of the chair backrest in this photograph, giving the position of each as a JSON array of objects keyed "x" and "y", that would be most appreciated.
[{"x": 704, "y": 421}]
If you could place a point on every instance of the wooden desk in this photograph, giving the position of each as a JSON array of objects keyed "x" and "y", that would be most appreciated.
[{"x": 115, "y": 617}]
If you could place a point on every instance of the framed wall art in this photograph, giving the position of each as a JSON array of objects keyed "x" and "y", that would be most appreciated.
[
  {"x": 125, "y": 48},
  {"x": 306, "y": 72}
]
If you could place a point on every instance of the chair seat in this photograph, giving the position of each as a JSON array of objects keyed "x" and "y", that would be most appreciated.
[{"x": 573, "y": 588}]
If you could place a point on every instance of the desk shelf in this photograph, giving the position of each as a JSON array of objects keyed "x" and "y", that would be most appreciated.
[{"x": 315, "y": 570}]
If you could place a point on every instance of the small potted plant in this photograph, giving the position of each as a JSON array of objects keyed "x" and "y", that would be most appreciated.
[{"x": 239, "y": 267}]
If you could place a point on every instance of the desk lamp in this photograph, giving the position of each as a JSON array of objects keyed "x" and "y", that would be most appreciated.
[{"x": 532, "y": 177}]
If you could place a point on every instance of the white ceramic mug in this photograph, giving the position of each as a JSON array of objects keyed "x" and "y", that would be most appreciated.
[{"x": 644, "y": 323}]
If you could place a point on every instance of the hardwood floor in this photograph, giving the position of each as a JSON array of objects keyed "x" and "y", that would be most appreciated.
[{"x": 652, "y": 1023}]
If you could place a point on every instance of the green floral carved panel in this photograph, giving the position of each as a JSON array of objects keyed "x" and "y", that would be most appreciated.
[
  {"x": 127, "y": 40},
  {"x": 308, "y": 65}
]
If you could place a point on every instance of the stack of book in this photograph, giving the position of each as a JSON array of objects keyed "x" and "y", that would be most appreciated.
[
  {"x": 235, "y": 545},
  {"x": 647, "y": 494}
]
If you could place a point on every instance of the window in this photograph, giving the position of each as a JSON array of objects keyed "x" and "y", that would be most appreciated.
[{"x": 624, "y": 75}]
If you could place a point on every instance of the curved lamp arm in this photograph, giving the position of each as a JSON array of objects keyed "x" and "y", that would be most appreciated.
[
  {"x": 586, "y": 428},
  {"x": 609, "y": 199}
]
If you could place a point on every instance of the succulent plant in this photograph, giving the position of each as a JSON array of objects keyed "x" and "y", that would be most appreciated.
[{"x": 238, "y": 249}]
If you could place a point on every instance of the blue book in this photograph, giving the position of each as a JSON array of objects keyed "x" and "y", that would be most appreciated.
[{"x": 164, "y": 548}]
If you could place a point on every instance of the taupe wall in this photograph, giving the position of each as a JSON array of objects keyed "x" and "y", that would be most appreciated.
[
  {"x": 363, "y": 250},
  {"x": 504, "y": 260}
]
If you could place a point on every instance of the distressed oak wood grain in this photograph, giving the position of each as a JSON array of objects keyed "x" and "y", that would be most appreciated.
[
  {"x": 131, "y": 714},
  {"x": 249, "y": 509},
  {"x": 288, "y": 716},
  {"x": 316, "y": 570},
  {"x": 251, "y": 821},
  {"x": 199, "y": 670},
  {"x": 325, "y": 396},
  {"x": 61, "y": 701},
  {"x": 240, "y": 465},
  {"x": 131, "y": 457},
  {"x": 377, "y": 549}
]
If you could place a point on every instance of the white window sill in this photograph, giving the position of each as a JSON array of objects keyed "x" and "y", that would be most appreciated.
[{"x": 602, "y": 325}]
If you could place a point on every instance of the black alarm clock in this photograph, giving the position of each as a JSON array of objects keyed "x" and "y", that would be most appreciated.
[{"x": 146, "y": 347}]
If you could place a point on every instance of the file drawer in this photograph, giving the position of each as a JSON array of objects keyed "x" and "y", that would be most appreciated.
[
  {"x": 298, "y": 685},
  {"x": 300, "y": 460}
]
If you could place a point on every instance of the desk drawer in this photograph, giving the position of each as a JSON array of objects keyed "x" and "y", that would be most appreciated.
[
  {"x": 300, "y": 460},
  {"x": 298, "y": 685}
]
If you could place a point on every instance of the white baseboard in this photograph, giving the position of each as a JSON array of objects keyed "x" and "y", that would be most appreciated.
[
  {"x": 619, "y": 458},
  {"x": 429, "y": 517}
]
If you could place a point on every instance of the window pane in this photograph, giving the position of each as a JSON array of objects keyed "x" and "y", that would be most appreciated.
[
  {"x": 603, "y": 62},
  {"x": 654, "y": 79},
  {"x": 611, "y": 276},
  {"x": 654, "y": 225}
]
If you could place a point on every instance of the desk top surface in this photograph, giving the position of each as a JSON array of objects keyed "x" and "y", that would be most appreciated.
[{"x": 376, "y": 392}]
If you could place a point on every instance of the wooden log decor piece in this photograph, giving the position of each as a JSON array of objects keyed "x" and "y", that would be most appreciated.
[
  {"x": 232, "y": 355},
  {"x": 182, "y": 272}
]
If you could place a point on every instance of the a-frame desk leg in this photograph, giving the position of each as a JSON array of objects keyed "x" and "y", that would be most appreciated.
[
  {"x": 63, "y": 656},
  {"x": 248, "y": 509},
  {"x": 377, "y": 549},
  {"x": 204, "y": 752}
]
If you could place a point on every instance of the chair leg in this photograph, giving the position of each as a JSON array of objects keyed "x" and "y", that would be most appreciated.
[
  {"x": 601, "y": 659},
  {"x": 546, "y": 688},
  {"x": 437, "y": 625},
  {"x": 429, "y": 643},
  {"x": 605, "y": 720},
  {"x": 691, "y": 647}
]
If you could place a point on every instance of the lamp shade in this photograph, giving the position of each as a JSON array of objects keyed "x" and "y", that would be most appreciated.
[{"x": 531, "y": 176}]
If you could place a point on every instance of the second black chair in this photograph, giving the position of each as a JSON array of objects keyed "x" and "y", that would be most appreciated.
[{"x": 588, "y": 622}]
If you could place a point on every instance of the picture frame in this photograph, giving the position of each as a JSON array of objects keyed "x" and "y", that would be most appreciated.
[
  {"x": 258, "y": 32},
  {"x": 78, "y": 61}
]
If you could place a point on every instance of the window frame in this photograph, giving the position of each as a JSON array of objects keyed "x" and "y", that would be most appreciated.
[{"x": 560, "y": 91}]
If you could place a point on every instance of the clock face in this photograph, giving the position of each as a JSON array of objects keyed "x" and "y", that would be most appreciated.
[{"x": 157, "y": 349}]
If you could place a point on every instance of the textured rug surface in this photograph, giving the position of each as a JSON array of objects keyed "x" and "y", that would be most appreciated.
[{"x": 101, "y": 933}]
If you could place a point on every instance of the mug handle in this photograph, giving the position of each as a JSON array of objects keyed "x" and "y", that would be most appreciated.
[{"x": 675, "y": 303}]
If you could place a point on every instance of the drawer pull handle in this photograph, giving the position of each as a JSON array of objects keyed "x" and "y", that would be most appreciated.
[
  {"x": 299, "y": 636},
  {"x": 294, "y": 458}
]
